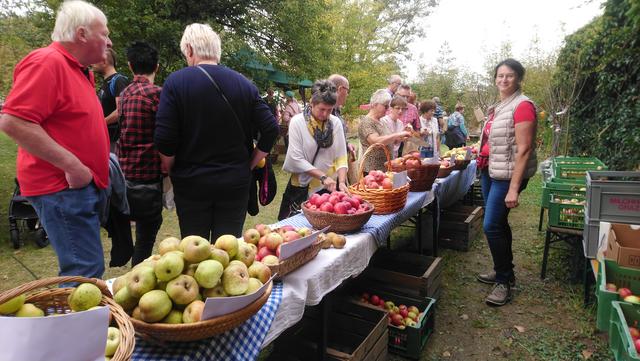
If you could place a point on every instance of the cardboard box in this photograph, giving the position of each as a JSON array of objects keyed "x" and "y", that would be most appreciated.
[{"x": 623, "y": 245}]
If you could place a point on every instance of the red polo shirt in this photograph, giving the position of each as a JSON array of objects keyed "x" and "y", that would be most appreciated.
[{"x": 51, "y": 88}]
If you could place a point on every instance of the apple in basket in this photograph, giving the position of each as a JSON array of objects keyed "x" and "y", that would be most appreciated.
[
  {"x": 113, "y": 341},
  {"x": 412, "y": 163}
]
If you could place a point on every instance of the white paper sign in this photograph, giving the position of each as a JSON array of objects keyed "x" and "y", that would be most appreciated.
[
  {"x": 399, "y": 179},
  {"x": 290, "y": 248},
  {"x": 77, "y": 336},
  {"x": 219, "y": 306}
]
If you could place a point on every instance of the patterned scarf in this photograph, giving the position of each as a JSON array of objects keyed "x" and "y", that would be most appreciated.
[{"x": 322, "y": 132}]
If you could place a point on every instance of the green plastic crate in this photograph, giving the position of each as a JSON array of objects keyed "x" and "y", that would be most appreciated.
[
  {"x": 621, "y": 344},
  {"x": 610, "y": 272},
  {"x": 565, "y": 189},
  {"x": 564, "y": 214},
  {"x": 575, "y": 167}
]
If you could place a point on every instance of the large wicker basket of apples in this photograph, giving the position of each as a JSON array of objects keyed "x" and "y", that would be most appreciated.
[
  {"x": 165, "y": 294},
  {"x": 377, "y": 187}
]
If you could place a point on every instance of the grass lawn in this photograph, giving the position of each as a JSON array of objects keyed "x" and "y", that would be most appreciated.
[{"x": 546, "y": 320}]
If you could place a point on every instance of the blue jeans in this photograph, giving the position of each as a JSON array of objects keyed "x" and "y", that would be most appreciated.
[
  {"x": 496, "y": 225},
  {"x": 71, "y": 219}
]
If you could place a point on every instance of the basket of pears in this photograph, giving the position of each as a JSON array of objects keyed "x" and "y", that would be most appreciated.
[
  {"x": 39, "y": 299},
  {"x": 166, "y": 294}
]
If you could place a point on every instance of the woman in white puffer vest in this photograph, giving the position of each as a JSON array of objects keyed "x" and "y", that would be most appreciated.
[{"x": 507, "y": 160}]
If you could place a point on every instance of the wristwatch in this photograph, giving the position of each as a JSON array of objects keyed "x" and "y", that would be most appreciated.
[{"x": 322, "y": 179}]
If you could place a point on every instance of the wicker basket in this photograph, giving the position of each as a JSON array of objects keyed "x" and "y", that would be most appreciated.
[
  {"x": 422, "y": 178},
  {"x": 461, "y": 164},
  {"x": 54, "y": 301},
  {"x": 444, "y": 172},
  {"x": 384, "y": 201},
  {"x": 202, "y": 329},
  {"x": 340, "y": 223},
  {"x": 292, "y": 263}
]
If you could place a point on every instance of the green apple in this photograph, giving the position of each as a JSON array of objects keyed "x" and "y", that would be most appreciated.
[
  {"x": 260, "y": 271},
  {"x": 113, "y": 341},
  {"x": 154, "y": 306},
  {"x": 219, "y": 255},
  {"x": 254, "y": 285},
  {"x": 168, "y": 244},
  {"x": 235, "y": 279},
  {"x": 29, "y": 310},
  {"x": 141, "y": 281},
  {"x": 632, "y": 299},
  {"x": 125, "y": 299},
  {"x": 217, "y": 291},
  {"x": 193, "y": 312},
  {"x": 12, "y": 305},
  {"x": 136, "y": 313},
  {"x": 229, "y": 243},
  {"x": 304, "y": 232},
  {"x": 84, "y": 297},
  {"x": 208, "y": 273},
  {"x": 245, "y": 254},
  {"x": 174, "y": 317},
  {"x": 186, "y": 240},
  {"x": 251, "y": 235},
  {"x": 183, "y": 289},
  {"x": 270, "y": 260},
  {"x": 120, "y": 282},
  {"x": 196, "y": 250},
  {"x": 413, "y": 309},
  {"x": 190, "y": 269},
  {"x": 169, "y": 266}
]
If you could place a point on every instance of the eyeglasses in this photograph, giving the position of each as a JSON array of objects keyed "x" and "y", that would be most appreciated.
[
  {"x": 346, "y": 88},
  {"x": 400, "y": 109}
]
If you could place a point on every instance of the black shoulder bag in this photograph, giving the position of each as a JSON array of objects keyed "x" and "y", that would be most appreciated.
[{"x": 267, "y": 186}]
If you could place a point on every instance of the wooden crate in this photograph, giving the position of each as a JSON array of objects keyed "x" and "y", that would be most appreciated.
[
  {"x": 405, "y": 273},
  {"x": 357, "y": 333},
  {"x": 459, "y": 225}
]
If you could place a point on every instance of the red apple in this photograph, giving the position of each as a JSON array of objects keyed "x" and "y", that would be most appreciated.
[
  {"x": 262, "y": 242},
  {"x": 264, "y": 251},
  {"x": 314, "y": 198},
  {"x": 611, "y": 287},
  {"x": 397, "y": 319},
  {"x": 637, "y": 345},
  {"x": 263, "y": 229},
  {"x": 354, "y": 202},
  {"x": 365, "y": 296},
  {"x": 327, "y": 207},
  {"x": 273, "y": 240},
  {"x": 387, "y": 183},
  {"x": 374, "y": 299},
  {"x": 403, "y": 312},
  {"x": 341, "y": 207},
  {"x": 333, "y": 199},
  {"x": 290, "y": 236},
  {"x": 373, "y": 185},
  {"x": 635, "y": 333},
  {"x": 624, "y": 292}
]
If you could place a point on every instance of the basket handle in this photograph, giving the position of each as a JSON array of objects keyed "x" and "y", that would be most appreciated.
[
  {"x": 50, "y": 281},
  {"x": 369, "y": 150}
]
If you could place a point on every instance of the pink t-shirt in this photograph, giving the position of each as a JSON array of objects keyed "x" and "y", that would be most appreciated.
[{"x": 525, "y": 112}]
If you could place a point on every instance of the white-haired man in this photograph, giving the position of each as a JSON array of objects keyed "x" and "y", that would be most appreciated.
[
  {"x": 53, "y": 114},
  {"x": 394, "y": 83},
  {"x": 342, "y": 90}
]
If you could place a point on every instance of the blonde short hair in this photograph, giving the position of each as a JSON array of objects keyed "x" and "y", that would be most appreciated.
[
  {"x": 380, "y": 96},
  {"x": 203, "y": 40},
  {"x": 72, "y": 15}
]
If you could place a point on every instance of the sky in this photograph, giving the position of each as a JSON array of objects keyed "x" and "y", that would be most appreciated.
[{"x": 474, "y": 27}]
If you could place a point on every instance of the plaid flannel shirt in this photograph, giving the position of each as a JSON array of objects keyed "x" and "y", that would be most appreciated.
[{"x": 139, "y": 158}]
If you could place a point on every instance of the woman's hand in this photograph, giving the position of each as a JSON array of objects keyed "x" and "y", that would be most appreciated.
[
  {"x": 329, "y": 184},
  {"x": 511, "y": 200},
  {"x": 400, "y": 136},
  {"x": 343, "y": 187}
]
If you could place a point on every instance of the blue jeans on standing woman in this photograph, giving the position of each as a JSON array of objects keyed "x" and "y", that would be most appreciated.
[
  {"x": 71, "y": 219},
  {"x": 496, "y": 225}
]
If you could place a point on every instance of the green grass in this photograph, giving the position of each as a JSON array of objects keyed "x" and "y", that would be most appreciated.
[{"x": 557, "y": 327}]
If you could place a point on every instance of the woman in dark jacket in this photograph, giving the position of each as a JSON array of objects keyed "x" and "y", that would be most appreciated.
[{"x": 205, "y": 120}]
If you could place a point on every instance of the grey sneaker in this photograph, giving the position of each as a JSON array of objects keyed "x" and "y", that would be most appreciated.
[
  {"x": 500, "y": 295},
  {"x": 490, "y": 278}
]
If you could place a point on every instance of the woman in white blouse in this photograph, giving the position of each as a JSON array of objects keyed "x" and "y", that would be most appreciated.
[{"x": 429, "y": 126}]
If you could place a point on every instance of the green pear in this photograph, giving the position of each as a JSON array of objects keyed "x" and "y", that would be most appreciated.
[
  {"x": 154, "y": 306},
  {"x": 235, "y": 279},
  {"x": 12, "y": 305},
  {"x": 125, "y": 299},
  {"x": 169, "y": 266},
  {"x": 254, "y": 285},
  {"x": 208, "y": 273},
  {"x": 29, "y": 310},
  {"x": 174, "y": 317},
  {"x": 84, "y": 297},
  {"x": 229, "y": 243}
]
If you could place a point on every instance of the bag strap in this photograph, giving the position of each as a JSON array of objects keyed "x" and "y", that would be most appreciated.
[
  {"x": 112, "y": 83},
  {"x": 235, "y": 116}
]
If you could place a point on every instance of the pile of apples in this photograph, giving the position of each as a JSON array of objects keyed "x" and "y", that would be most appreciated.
[
  {"x": 444, "y": 163},
  {"x": 400, "y": 316},
  {"x": 268, "y": 241},
  {"x": 461, "y": 152},
  {"x": 85, "y": 296},
  {"x": 170, "y": 287},
  {"x": 624, "y": 293},
  {"x": 338, "y": 203},
  {"x": 332, "y": 239},
  {"x": 377, "y": 179}
]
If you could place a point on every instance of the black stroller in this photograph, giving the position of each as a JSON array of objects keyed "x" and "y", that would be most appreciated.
[{"x": 22, "y": 217}]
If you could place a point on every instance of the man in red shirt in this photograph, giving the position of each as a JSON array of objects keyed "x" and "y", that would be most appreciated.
[{"x": 55, "y": 118}]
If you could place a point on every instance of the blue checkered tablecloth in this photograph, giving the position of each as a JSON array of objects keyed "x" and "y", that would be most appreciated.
[
  {"x": 379, "y": 226},
  {"x": 240, "y": 344},
  {"x": 453, "y": 188}
]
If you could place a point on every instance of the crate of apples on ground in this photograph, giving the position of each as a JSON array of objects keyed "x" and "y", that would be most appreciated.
[
  {"x": 400, "y": 316},
  {"x": 624, "y": 293}
]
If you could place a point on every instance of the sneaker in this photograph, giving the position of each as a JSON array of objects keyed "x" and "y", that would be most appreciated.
[
  {"x": 500, "y": 295},
  {"x": 490, "y": 278}
]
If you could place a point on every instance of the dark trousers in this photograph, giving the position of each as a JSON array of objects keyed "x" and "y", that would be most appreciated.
[
  {"x": 146, "y": 211},
  {"x": 496, "y": 224},
  {"x": 211, "y": 217}
]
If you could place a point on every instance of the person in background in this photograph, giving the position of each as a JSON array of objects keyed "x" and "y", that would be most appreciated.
[
  {"x": 113, "y": 84},
  {"x": 456, "y": 135},
  {"x": 506, "y": 162},
  {"x": 397, "y": 108},
  {"x": 291, "y": 108},
  {"x": 52, "y": 112},
  {"x": 429, "y": 130},
  {"x": 372, "y": 130},
  {"x": 439, "y": 115},
  {"x": 394, "y": 82},
  {"x": 204, "y": 126},
  {"x": 409, "y": 118},
  {"x": 342, "y": 90},
  {"x": 272, "y": 102},
  {"x": 317, "y": 154},
  {"x": 139, "y": 159},
  {"x": 412, "y": 98}
]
